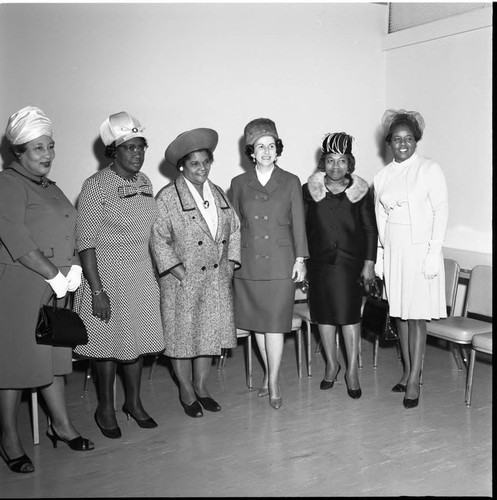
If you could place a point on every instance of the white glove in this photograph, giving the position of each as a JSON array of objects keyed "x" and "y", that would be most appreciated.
[
  {"x": 59, "y": 285},
  {"x": 298, "y": 272},
  {"x": 74, "y": 278},
  {"x": 433, "y": 260},
  {"x": 378, "y": 267}
]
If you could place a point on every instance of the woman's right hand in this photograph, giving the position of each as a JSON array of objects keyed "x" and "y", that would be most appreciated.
[
  {"x": 59, "y": 284},
  {"x": 101, "y": 306}
]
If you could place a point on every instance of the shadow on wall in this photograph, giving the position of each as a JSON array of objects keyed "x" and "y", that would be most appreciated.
[{"x": 6, "y": 153}]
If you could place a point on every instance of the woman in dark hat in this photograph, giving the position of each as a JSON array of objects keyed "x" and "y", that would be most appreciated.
[
  {"x": 119, "y": 298},
  {"x": 411, "y": 206},
  {"x": 341, "y": 229},
  {"x": 196, "y": 245},
  {"x": 269, "y": 203}
]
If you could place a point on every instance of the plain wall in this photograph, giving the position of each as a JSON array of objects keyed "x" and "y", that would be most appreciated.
[{"x": 312, "y": 68}]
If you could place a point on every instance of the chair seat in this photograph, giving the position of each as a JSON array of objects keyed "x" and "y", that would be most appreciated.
[
  {"x": 302, "y": 310},
  {"x": 242, "y": 333},
  {"x": 458, "y": 329},
  {"x": 483, "y": 342}
]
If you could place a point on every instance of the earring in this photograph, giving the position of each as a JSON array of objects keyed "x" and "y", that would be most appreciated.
[{"x": 181, "y": 169}]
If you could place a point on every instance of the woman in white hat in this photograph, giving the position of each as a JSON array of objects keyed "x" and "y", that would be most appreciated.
[
  {"x": 119, "y": 297},
  {"x": 411, "y": 206},
  {"x": 269, "y": 203},
  {"x": 37, "y": 259},
  {"x": 196, "y": 245}
]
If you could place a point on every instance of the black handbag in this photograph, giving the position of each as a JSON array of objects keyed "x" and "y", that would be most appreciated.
[
  {"x": 60, "y": 327},
  {"x": 375, "y": 315}
]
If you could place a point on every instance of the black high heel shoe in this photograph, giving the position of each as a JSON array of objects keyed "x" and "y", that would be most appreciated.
[
  {"x": 113, "y": 433},
  {"x": 77, "y": 444},
  {"x": 353, "y": 393},
  {"x": 209, "y": 404},
  {"x": 411, "y": 403},
  {"x": 146, "y": 423},
  {"x": 22, "y": 464},
  {"x": 326, "y": 384},
  {"x": 399, "y": 388},
  {"x": 194, "y": 410}
]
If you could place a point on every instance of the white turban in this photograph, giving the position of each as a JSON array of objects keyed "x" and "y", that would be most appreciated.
[{"x": 27, "y": 124}]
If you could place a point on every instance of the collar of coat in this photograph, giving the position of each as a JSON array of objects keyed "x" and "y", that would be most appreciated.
[
  {"x": 187, "y": 200},
  {"x": 355, "y": 192},
  {"x": 277, "y": 177}
]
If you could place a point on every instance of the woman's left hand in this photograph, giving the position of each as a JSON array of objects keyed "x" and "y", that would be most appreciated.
[
  {"x": 367, "y": 274},
  {"x": 74, "y": 278},
  {"x": 299, "y": 271}
]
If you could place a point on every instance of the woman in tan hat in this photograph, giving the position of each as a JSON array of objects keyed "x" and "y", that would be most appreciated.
[
  {"x": 412, "y": 211},
  {"x": 269, "y": 203},
  {"x": 196, "y": 245},
  {"x": 119, "y": 298},
  {"x": 37, "y": 259}
]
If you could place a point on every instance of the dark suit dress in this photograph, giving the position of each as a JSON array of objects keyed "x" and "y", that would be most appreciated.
[
  {"x": 342, "y": 234},
  {"x": 272, "y": 236}
]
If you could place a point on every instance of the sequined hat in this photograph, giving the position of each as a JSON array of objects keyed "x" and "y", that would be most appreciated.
[{"x": 337, "y": 142}]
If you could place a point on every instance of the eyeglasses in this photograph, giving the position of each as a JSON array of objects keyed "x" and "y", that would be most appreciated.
[{"x": 133, "y": 148}]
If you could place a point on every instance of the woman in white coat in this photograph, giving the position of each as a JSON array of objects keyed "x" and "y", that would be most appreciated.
[{"x": 411, "y": 211}]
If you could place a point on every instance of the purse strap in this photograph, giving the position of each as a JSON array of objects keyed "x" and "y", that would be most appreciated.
[{"x": 68, "y": 302}]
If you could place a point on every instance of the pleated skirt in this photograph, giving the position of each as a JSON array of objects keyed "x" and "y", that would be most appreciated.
[{"x": 410, "y": 295}]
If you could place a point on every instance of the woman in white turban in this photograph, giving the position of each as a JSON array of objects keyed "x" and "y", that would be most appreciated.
[{"x": 37, "y": 259}]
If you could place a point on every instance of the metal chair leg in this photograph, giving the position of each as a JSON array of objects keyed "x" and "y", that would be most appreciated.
[
  {"x": 309, "y": 359},
  {"x": 249, "y": 361},
  {"x": 298, "y": 333},
  {"x": 469, "y": 380},
  {"x": 34, "y": 414},
  {"x": 375, "y": 351}
]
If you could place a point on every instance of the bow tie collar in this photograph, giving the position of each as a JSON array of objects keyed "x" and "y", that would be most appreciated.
[{"x": 130, "y": 191}]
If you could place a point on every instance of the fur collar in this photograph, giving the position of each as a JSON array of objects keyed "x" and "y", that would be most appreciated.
[{"x": 355, "y": 192}]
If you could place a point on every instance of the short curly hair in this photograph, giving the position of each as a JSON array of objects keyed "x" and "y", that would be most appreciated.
[
  {"x": 350, "y": 158},
  {"x": 408, "y": 121},
  {"x": 249, "y": 150}
]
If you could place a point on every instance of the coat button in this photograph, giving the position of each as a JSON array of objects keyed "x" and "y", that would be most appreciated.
[
  {"x": 266, "y": 217},
  {"x": 333, "y": 227},
  {"x": 266, "y": 256},
  {"x": 67, "y": 215},
  {"x": 257, "y": 256},
  {"x": 223, "y": 242},
  {"x": 200, "y": 242},
  {"x": 265, "y": 197},
  {"x": 266, "y": 237},
  {"x": 215, "y": 266},
  {"x": 203, "y": 268},
  {"x": 256, "y": 216}
]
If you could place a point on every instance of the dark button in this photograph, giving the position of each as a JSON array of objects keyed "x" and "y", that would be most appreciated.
[
  {"x": 215, "y": 266},
  {"x": 67, "y": 215},
  {"x": 69, "y": 259},
  {"x": 335, "y": 246},
  {"x": 200, "y": 242},
  {"x": 223, "y": 242},
  {"x": 333, "y": 227},
  {"x": 203, "y": 268}
]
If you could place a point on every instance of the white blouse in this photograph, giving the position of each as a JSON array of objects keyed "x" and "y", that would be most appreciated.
[{"x": 207, "y": 206}]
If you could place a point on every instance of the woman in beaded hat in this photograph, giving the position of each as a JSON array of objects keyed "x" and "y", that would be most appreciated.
[
  {"x": 411, "y": 207},
  {"x": 196, "y": 245},
  {"x": 37, "y": 259},
  {"x": 342, "y": 235},
  {"x": 269, "y": 203},
  {"x": 119, "y": 298}
]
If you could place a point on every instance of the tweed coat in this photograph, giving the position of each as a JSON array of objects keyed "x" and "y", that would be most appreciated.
[
  {"x": 273, "y": 226},
  {"x": 197, "y": 313},
  {"x": 32, "y": 216}
]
